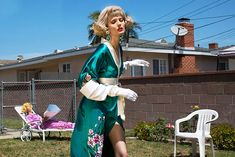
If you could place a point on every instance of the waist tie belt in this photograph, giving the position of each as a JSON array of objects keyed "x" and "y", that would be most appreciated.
[{"x": 121, "y": 100}]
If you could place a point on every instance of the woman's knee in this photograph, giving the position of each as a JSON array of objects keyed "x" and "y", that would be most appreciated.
[{"x": 122, "y": 154}]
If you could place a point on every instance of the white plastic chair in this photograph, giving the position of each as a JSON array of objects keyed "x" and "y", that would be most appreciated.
[{"x": 205, "y": 117}]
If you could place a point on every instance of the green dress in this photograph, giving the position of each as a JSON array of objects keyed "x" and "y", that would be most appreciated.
[{"x": 97, "y": 115}]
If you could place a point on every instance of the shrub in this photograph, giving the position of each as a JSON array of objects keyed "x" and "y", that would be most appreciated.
[
  {"x": 154, "y": 131},
  {"x": 144, "y": 130},
  {"x": 162, "y": 132},
  {"x": 223, "y": 136}
]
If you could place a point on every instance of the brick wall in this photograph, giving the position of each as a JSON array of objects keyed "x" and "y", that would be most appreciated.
[{"x": 172, "y": 96}]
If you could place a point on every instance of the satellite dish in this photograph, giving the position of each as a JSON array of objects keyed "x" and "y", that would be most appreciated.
[
  {"x": 19, "y": 58},
  {"x": 179, "y": 30}
]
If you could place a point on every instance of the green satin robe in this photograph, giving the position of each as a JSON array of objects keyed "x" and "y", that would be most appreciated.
[{"x": 95, "y": 119}]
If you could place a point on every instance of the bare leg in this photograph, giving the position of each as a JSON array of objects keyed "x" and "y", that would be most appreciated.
[{"x": 117, "y": 138}]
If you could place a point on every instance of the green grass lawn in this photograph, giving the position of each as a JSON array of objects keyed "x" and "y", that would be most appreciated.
[
  {"x": 12, "y": 123},
  {"x": 59, "y": 147}
]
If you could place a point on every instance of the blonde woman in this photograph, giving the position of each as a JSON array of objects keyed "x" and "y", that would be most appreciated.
[{"x": 99, "y": 126}]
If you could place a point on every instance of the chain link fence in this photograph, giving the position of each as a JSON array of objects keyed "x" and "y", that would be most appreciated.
[{"x": 40, "y": 93}]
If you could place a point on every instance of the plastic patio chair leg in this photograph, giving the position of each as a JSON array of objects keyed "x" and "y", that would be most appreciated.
[
  {"x": 43, "y": 136},
  {"x": 212, "y": 148},
  {"x": 201, "y": 142},
  {"x": 194, "y": 147},
  {"x": 175, "y": 146}
]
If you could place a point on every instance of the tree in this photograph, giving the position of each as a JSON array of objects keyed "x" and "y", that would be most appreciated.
[{"x": 130, "y": 33}]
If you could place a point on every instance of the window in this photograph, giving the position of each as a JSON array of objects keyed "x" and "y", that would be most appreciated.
[
  {"x": 160, "y": 66},
  {"x": 21, "y": 76},
  {"x": 223, "y": 65},
  {"x": 66, "y": 68},
  {"x": 137, "y": 71},
  {"x": 33, "y": 74}
]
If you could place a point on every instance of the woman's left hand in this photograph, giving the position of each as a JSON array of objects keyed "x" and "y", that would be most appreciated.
[{"x": 136, "y": 62}]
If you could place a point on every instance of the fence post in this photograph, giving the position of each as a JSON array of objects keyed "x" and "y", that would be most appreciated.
[
  {"x": 33, "y": 95},
  {"x": 1, "y": 116},
  {"x": 75, "y": 99}
]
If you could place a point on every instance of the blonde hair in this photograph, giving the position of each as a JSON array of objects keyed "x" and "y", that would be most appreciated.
[
  {"x": 25, "y": 107},
  {"x": 100, "y": 27}
]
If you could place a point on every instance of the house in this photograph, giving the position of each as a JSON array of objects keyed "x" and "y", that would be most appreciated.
[
  {"x": 226, "y": 57},
  {"x": 164, "y": 58},
  {"x": 4, "y": 62}
]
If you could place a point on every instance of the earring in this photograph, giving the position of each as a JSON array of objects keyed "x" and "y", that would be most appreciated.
[{"x": 107, "y": 35}]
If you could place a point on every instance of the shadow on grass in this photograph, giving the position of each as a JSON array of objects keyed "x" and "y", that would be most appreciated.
[{"x": 185, "y": 155}]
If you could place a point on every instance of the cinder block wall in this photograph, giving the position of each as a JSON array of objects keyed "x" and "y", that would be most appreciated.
[{"x": 172, "y": 96}]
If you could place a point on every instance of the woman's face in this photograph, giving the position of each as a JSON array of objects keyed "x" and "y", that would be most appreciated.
[
  {"x": 116, "y": 26},
  {"x": 28, "y": 109}
]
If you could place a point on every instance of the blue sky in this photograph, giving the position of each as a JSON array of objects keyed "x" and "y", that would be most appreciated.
[{"x": 33, "y": 28}]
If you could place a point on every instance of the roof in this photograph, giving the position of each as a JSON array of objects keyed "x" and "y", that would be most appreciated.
[
  {"x": 134, "y": 45},
  {"x": 227, "y": 51},
  {"x": 4, "y": 62}
]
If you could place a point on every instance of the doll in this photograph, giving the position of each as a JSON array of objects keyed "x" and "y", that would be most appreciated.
[{"x": 36, "y": 121}]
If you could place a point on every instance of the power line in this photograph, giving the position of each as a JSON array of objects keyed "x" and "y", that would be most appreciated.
[
  {"x": 151, "y": 29},
  {"x": 215, "y": 35},
  {"x": 214, "y": 22},
  {"x": 192, "y": 19},
  {"x": 184, "y": 5},
  {"x": 226, "y": 36},
  {"x": 206, "y": 9},
  {"x": 194, "y": 29}
]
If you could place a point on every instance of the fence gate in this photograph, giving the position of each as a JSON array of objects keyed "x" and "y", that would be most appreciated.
[
  {"x": 59, "y": 92},
  {"x": 40, "y": 93},
  {"x": 13, "y": 94}
]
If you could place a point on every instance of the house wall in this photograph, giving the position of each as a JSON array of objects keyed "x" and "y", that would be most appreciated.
[
  {"x": 50, "y": 67},
  {"x": 54, "y": 68},
  {"x": 205, "y": 63},
  {"x": 231, "y": 63},
  {"x": 8, "y": 75},
  {"x": 146, "y": 56}
]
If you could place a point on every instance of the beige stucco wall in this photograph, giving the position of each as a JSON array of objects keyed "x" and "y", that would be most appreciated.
[
  {"x": 52, "y": 67},
  {"x": 8, "y": 75},
  {"x": 205, "y": 63},
  {"x": 231, "y": 63},
  {"x": 146, "y": 56}
]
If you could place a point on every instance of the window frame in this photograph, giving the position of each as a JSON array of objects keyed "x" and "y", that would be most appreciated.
[{"x": 162, "y": 69}]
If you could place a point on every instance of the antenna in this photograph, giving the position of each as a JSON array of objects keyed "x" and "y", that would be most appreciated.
[{"x": 179, "y": 30}]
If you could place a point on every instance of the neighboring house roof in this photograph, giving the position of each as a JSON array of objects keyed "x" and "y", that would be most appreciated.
[
  {"x": 158, "y": 47},
  {"x": 133, "y": 46},
  {"x": 4, "y": 62},
  {"x": 227, "y": 51}
]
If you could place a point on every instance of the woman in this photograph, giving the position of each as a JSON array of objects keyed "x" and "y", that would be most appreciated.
[{"x": 101, "y": 112}]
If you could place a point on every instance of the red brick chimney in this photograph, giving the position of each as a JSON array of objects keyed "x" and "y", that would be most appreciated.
[
  {"x": 186, "y": 64},
  {"x": 186, "y": 41},
  {"x": 213, "y": 46}
]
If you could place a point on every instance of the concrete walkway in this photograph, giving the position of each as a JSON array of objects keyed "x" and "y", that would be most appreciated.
[{"x": 10, "y": 134}]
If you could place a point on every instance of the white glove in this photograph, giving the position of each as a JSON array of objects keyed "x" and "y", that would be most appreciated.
[
  {"x": 125, "y": 92},
  {"x": 136, "y": 62}
]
